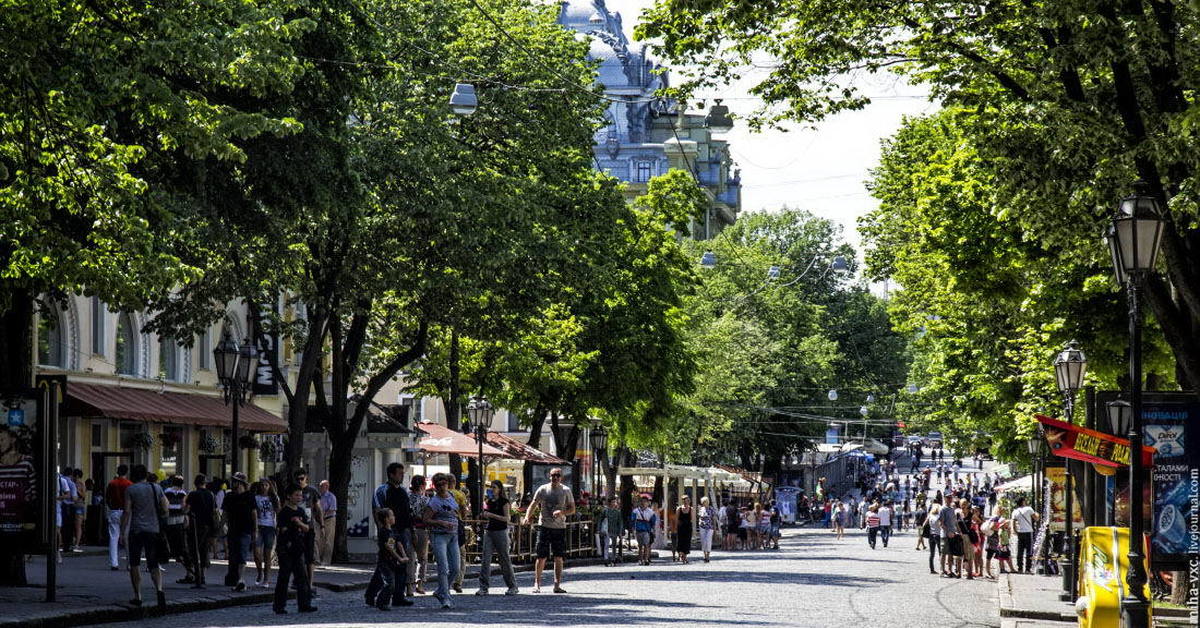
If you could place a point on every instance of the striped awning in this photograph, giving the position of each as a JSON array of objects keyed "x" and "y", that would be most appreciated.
[{"x": 140, "y": 404}]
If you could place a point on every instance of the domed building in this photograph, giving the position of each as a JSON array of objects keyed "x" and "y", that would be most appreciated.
[{"x": 643, "y": 135}]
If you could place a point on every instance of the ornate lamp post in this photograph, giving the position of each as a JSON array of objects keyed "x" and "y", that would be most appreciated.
[
  {"x": 1069, "y": 369},
  {"x": 235, "y": 370},
  {"x": 480, "y": 412},
  {"x": 1133, "y": 240},
  {"x": 599, "y": 440}
]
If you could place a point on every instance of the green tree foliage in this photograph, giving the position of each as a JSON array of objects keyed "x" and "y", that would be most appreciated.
[
  {"x": 771, "y": 348},
  {"x": 1068, "y": 103}
]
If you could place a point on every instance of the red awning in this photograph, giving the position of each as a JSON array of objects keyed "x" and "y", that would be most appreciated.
[
  {"x": 1080, "y": 443},
  {"x": 521, "y": 451},
  {"x": 443, "y": 440},
  {"x": 139, "y": 404}
]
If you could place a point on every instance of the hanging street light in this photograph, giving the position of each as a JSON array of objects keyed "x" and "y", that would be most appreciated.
[
  {"x": 833, "y": 394},
  {"x": 235, "y": 372},
  {"x": 718, "y": 120},
  {"x": 1069, "y": 368},
  {"x": 463, "y": 101},
  {"x": 1133, "y": 239},
  {"x": 708, "y": 260}
]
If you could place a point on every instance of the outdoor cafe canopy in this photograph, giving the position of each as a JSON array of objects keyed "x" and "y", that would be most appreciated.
[{"x": 440, "y": 439}]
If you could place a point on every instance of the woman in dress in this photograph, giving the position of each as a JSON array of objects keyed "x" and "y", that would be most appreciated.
[{"x": 683, "y": 529}]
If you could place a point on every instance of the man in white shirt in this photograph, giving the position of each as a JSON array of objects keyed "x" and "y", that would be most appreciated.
[
  {"x": 886, "y": 515},
  {"x": 1024, "y": 518}
]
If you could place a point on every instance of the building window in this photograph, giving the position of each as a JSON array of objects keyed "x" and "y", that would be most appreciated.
[
  {"x": 168, "y": 359},
  {"x": 50, "y": 339},
  {"x": 642, "y": 173},
  {"x": 205, "y": 349},
  {"x": 514, "y": 421},
  {"x": 98, "y": 336},
  {"x": 98, "y": 436},
  {"x": 125, "y": 355}
]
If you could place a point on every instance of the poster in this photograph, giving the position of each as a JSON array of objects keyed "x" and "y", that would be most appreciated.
[
  {"x": 358, "y": 497},
  {"x": 1171, "y": 425},
  {"x": 20, "y": 450},
  {"x": 1058, "y": 501}
]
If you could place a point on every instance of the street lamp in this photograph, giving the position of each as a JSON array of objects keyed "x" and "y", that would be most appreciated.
[
  {"x": 833, "y": 394},
  {"x": 599, "y": 439},
  {"x": 1035, "y": 454},
  {"x": 1120, "y": 413},
  {"x": 708, "y": 260},
  {"x": 463, "y": 101},
  {"x": 235, "y": 371},
  {"x": 1069, "y": 369},
  {"x": 1133, "y": 240},
  {"x": 718, "y": 120},
  {"x": 480, "y": 412}
]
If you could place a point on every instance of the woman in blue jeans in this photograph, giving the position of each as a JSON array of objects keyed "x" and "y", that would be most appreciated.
[{"x": 441, "y": 517}]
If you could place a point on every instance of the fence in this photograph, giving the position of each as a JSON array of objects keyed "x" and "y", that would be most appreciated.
[{"x": 580, "y": 540}]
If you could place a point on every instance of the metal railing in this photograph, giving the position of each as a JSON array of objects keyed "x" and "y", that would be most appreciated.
[{"x": 579, "y": 540}]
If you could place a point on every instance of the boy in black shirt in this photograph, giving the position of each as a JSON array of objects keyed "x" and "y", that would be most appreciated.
[
  {"x": 293, "y": 525},
  {"x": 391, "y": 562}
]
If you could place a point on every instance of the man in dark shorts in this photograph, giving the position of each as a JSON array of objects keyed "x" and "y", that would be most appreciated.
[
  {"x": 144, "y": 505},
  {"x": 554, "y": 503},
  {"x": 242, "y": 525}
]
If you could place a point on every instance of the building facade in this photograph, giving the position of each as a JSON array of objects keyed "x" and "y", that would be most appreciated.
[{"x": 644, "y": 136}]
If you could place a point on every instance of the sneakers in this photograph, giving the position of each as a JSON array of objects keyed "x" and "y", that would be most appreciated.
[
  {"x": 512, "y": 591},
  {"x": 266, "y": 584}
]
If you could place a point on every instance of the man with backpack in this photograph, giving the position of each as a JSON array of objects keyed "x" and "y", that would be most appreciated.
[{"x": 145, "y": 506}]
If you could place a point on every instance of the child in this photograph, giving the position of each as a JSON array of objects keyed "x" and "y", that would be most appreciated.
[
  {"x": 390, "y": 560},
  {"x": 293, "y": 525}
]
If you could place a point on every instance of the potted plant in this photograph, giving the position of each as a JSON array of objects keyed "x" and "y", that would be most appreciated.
[
  {"x": 248, "y": 441},
  {"x": 267, "y": 451},
  {"x": 139, "y": 440},
  {"x": 169, "y": 439}
]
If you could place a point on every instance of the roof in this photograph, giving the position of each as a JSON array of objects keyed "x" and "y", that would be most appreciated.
[
  {"x": 440, "y": 439},
  {"x": 521, "y": 451},
  {"x": 140, "y": 404}
]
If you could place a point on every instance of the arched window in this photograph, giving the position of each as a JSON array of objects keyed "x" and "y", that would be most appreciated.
[
  {"x": 168, "y": 359},
  {"x": 126, "y": 353},
  {"x": 51, "y": 338}
]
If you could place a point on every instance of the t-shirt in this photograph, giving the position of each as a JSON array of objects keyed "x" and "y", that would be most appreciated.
[
  {"x": 114, "y": 493},
  {"x": 396, "y": 498},
  {"x": 387, "y": 544},
  {"x": 496, "y": 506},
  {"x": 266, "y": 510},
  {"x": 444, "y": 509},
  {"x": 1023, "y": 517},
  {"x": 312, "y": 499},
  {"x": 644, "y": 519},
  {"x": 175, "y": 498},
  {"x": 417, "y": 501},
  {"x": 291, "y": 538},
  {"x": 948, "y": 518},
  {"x": 142, "y": 500},
  {"x": 885, "y": 516},
  {"x": 239, "y": 512},
  {"x": 873, "y": 519},
  {"x": 550, "y": 499},
  {"x": 935, "y": 523},
  {"x": 66, "y": 485},
  {"x": 706, "y": 517},
  {"x": 202, "y": 506}
]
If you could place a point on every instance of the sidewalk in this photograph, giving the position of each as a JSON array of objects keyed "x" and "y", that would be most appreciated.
[
  {"x": 1031, "y": 596},
  {"x": 90, "y": 593}
]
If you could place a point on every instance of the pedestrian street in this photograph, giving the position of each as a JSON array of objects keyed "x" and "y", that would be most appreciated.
[{"x": 813, "y": 580}]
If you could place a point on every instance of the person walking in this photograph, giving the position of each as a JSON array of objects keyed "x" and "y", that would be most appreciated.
[
  {"x": 683, "y": 528},
  {"x": 294, "y": 526},
  {"x": 887, "y": 516},
  {"x": 242, "y": 530},
  {"x": 706, "y": 518},
  {"x": 919, "y": 520},
  {"x": 396, "y": 499},
  {"x": 114, "y": 501},
  {"x": 266, "y": 505},
  {"x": 951, "y": 540},
  {"x": 200, "y": 508},
  {"x": 840, "y": 514},
  {"x": 934, "y": 523},
  {"x": 644, "y": 521},
  {"x": 1024, "y": 519},
  {"x": 390, "y": 561},
  {"x": 329, "y": 509},
  {"x": 176, "y": 530},
  {"x": 733, "y": 523},
  {"x": 872, "y": 524},
  {"x": 610, "y": 534},
  {"x": 464, "y": 513},
  {"x": 497, "y": 514},
  {"x": 312, "y": 509},
  {"x": 145, "y": 506},
  {"x": 553, "y": 503},
  {"x": 417, "y": 501},
  {"x": 441, "y": 518}
]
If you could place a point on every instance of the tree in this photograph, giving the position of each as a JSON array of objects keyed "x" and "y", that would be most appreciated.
[{"x": 1069, "y": 101}]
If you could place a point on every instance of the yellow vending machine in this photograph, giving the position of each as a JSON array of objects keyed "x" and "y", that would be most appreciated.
[{"x": 1103, "y": 563}]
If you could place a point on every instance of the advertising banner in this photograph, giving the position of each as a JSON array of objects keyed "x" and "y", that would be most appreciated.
[
  {"x": 21, "y": 452},
  {"x": 1171, "y": 424},
  {"x": 1080, "y": 443},
  {"x": 267, "y": 343},
  {"x": 1058, "y": 501}
]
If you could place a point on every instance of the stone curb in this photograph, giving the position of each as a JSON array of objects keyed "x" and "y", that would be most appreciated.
[{"x": 1009, "y": 608}]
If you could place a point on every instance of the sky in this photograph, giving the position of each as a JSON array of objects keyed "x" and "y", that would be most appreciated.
[{"x": 821, "y": 169}]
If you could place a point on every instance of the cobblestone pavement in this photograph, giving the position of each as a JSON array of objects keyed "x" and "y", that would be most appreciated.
[{"x": 814, "y": 580}]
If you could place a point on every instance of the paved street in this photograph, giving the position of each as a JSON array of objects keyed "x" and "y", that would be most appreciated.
[{"x": 813, "y": 580}]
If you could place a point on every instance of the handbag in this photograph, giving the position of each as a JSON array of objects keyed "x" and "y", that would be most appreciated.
[{"x": 925, "y": 529}]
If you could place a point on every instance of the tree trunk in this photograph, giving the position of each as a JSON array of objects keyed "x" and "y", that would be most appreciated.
[
  {"x": 16, "y": 372},
  {"x": 340, "y": 458},
  {"x": 535, "y": 426}
]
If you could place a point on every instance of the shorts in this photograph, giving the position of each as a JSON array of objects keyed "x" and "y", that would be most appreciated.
[
  {"x": 239, "y": 548},
  {"x": 992, "y": 553},
  {"x": 956, "y": 545},
  {"x": 551, "y": 542},
  {"x": 643, "y": 538},
  {"x": 79, "y": 510},
  {"x": 266, "y": 538},
  {"x": 143, "y": 541},
  {"x": 310, "y": 547}
]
